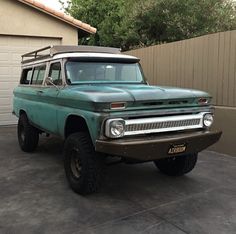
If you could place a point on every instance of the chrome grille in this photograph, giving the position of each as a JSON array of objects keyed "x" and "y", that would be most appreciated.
[
  {"x": 159, "y": 125},
  {"x": 163, "y": 124}
]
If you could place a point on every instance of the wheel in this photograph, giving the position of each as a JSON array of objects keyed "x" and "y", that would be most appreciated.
[
  {"x": 83, "y": 166},
  {"x": 177, "y": 166},
  {"x": 28, "y": 136}
]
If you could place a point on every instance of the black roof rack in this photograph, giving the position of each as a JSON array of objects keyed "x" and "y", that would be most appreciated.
[{"x": 50, "y": 51}]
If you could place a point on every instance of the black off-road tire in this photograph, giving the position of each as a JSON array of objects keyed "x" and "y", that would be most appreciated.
[
  {"x": 177, "y": 166},
  {"x": 83, "y": 166},
  {"x": 28, "y": 136}
]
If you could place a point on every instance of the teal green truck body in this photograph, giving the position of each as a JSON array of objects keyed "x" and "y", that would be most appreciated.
[
  {"x": 50, "y": 107},
  {"x": 50, "y": 111}
]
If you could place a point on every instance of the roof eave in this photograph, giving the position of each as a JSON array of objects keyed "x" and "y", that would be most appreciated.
[{"x": 61, "y": 16}]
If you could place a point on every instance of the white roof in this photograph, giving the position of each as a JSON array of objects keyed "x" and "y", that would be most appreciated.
[
  {"x": 91, "y": 55},
  {"x": 80, "y": 55}
]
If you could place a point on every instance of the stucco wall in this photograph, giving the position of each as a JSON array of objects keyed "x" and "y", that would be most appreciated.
[{"x": 19, "y": 19}]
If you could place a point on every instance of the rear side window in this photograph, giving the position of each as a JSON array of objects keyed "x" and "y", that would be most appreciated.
[
  {"x": 26, "y": 76},
  {"x": 38, "y": 75}
]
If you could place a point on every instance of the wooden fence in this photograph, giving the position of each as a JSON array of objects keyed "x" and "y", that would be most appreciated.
[{"x": 207, "y": 63}]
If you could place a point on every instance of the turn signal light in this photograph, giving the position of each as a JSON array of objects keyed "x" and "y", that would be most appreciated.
[
  {"x": 203, "y": 101},
  {"x": 117, "y": 105}
]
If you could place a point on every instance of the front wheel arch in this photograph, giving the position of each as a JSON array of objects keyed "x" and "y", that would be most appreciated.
[{"x": 74, "y": 124}]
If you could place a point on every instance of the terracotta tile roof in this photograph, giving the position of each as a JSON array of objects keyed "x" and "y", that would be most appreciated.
[{"x": 60, "y": 15}]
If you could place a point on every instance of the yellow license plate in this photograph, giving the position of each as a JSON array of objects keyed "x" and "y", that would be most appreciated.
[{"x": 176, "y": 149}]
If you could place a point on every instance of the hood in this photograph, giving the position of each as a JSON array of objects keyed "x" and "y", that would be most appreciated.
[
  {"x": 137, "y": 97},
  {"x": 132, "y": 93}
]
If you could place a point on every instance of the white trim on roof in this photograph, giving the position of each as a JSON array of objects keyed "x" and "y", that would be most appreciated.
[{"x": 81, "y": 55}]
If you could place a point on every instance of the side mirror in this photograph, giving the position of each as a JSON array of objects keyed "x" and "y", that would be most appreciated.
[{"x": 49, "y": 81}]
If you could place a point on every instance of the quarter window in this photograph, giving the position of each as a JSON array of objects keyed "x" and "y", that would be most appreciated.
[{"x": 55, "y": 73}]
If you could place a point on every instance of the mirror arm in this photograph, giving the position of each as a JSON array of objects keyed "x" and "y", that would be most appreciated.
[{"x": 49, "y": 80}]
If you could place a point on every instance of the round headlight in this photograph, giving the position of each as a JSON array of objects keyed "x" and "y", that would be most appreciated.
[
  {"x": 208, "y": 120},
  {"x": 115, "y": 128}
]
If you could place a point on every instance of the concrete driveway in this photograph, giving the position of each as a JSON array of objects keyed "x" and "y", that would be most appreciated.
[{"x": 35, "y": 196}]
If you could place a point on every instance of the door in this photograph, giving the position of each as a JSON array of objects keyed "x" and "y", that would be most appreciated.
[{"x": 48, "y": 94}]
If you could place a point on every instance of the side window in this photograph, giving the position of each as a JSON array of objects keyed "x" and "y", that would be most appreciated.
[
  {"x": 38, "y": 75},
  {"x": 26, "y": 76},
  {"x": 55, "y": 73}
]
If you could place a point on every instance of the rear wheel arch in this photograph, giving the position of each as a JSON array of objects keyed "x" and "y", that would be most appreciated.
[{"x": 22, "y": 112}]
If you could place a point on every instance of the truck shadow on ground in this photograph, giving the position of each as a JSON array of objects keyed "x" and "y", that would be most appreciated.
[
  {"x": 35, "y": 193},
  {"x": 124, "y": 179}
]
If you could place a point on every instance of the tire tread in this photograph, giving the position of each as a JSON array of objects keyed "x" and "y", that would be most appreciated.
[
  {"x": 92, "y": 171},
  {"x": 177, "y": 166},
  {"x": 30, "y": 142}
]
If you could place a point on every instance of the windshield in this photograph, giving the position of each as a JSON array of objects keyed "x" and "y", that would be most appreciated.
[{"x": 87, "y": 72}]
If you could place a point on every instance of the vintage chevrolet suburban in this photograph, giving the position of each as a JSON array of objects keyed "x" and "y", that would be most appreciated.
[{"x": 98, "y": 100}]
